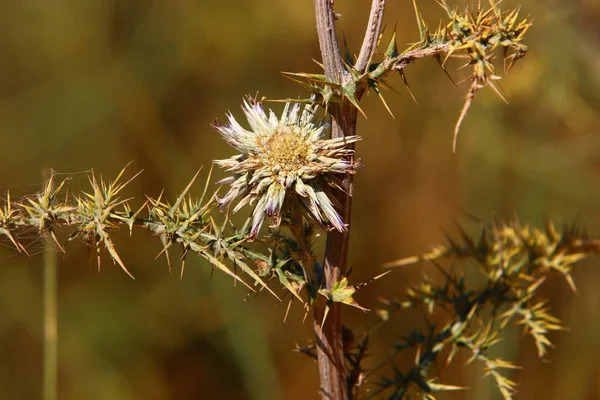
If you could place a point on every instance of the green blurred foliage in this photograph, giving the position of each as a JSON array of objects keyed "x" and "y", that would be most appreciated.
[{"x": 96, "y": 84}]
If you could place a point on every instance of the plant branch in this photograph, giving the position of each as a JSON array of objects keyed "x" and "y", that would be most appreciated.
[
  {"x": 95, "y": 215},
  {"x": 371, "y": 35},
  {"x": 513, "y": 262}
]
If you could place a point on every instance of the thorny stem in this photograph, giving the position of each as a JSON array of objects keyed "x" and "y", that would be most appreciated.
[
  {"x": 328, "y": 43},
  {"x": 328, "y": 333}
]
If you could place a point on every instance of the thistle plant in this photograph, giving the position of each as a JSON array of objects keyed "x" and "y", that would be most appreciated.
[
  {"x": 512, "y": 262},
  {"x": 285, "y": 164},
  {"x": 294, "y": 171}
]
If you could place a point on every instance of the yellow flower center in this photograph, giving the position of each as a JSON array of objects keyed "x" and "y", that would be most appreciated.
[{"x": 286, "y": 151}]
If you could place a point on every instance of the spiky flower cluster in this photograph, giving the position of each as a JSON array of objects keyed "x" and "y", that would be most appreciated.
[
  {"x": 286, "y": 167},
  {"x": 480, "y": 32},
  {"x": 514, "y": 261}
]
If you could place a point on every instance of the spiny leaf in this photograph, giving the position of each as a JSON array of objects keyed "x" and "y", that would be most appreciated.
[{"x": 341, "y": 292}]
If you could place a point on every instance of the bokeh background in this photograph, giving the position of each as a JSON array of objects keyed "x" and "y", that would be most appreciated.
[{"x": 99, "y": 83}]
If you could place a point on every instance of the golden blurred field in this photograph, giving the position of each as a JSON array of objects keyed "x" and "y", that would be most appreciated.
[{"x": 99, "y": 83}]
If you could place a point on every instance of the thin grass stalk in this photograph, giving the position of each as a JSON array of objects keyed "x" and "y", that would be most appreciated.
[{"x": 50, "y": 296}]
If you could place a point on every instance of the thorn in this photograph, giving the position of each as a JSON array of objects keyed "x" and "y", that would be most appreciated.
[
  {"x": 438, "y": 58},
  {"x": 498, "y": 92},
  {"x": 98, "y": 258},
  {"x": 324, "y": 316},
  {"x": 378, "y": 91},
  {"x": 287, "y": 310},
  {"x": 165, "y": 249},
  {"x": 403, "y": 76},
  {"x": 183, "y": 263},
  {"x": 420, "y": 23},
  {"x": 53, "y": 236},
  {"x": 185, "y": 191},
  {"x": 354, "y": 102}
]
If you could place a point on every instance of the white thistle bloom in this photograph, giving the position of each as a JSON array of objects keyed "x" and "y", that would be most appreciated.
[{"x": 285, "y": 164}]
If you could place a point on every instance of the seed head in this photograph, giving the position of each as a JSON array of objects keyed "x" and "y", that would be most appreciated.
[{"x": 285, "y": 164}]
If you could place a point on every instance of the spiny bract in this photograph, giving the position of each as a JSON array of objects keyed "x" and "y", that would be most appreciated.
[{"x": 285, "y": 166}]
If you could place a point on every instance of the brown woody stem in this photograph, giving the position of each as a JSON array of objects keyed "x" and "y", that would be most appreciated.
[{"x": 328, "y": 333}]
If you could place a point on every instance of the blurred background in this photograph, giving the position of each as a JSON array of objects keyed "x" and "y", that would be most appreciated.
[{"x": 99, "y": 83}]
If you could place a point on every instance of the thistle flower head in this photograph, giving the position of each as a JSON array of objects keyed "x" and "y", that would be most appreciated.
[{"x": 285, "y": 164}]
